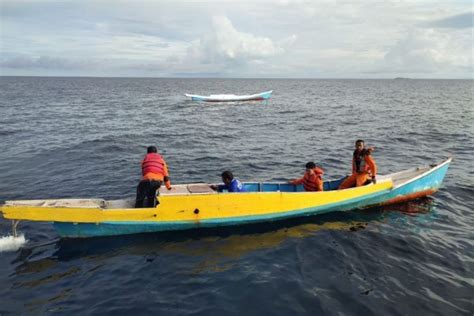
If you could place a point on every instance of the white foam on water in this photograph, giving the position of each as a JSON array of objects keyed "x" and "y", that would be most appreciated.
[{"x": 11, "y": 243}]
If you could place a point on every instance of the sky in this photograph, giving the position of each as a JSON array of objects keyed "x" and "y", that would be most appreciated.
[{"x": 237, "y": 39}]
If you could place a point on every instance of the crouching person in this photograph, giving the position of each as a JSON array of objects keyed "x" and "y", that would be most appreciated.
[{"x": 154, "y": 173}]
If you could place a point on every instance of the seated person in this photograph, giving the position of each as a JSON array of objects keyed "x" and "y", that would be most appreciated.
[
  {"x": 230, "y": 183},
  {"x": 364, "y": 168},
  {"x": 312, "y": 179}
]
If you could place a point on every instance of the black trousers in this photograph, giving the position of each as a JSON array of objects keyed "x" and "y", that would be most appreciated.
[{"x": 146, "y": 193}]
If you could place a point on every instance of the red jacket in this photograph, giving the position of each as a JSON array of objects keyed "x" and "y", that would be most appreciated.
[{"x": 154, "y": 168}]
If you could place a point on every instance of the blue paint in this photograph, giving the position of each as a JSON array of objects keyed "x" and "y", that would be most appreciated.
[
  {"x": 267, "y": 95},
  {"x": 431, "y": 181},
  {"x": 287, "y": 187}
]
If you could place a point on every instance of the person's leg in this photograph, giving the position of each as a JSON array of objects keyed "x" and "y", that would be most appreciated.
[
  {"x": 157, "y": 193},
  {"x": 151, "y": 194},
  {"x": 361, "y": 179},
  {"x": 141, "y": 194},
  {"x": 349, "y": 182}
]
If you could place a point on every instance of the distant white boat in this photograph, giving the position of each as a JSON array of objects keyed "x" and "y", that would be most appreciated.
[{"x": 230, "y": 97}]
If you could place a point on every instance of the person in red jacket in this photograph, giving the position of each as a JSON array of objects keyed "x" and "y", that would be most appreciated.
[
  {"x": 312, "y": 179},
  {"x": 154, "y": 173},
  {"x": 364, "y": 168}
]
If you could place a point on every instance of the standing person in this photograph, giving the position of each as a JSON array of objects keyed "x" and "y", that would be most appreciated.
[
  {"x": 363, "y": 167},
  {"x": 154, "y": 173},
  {"x": 230, "y": 183},
  {"x": 312, "y": 179}
]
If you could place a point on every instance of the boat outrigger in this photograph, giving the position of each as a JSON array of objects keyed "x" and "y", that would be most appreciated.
[
  {"x": 230, "y": 97},
  {"x": 189, "y": 206}
]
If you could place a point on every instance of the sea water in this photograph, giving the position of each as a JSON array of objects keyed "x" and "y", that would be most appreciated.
[{"x": 85, "y": 137}]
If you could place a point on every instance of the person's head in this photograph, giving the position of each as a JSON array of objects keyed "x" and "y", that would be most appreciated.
[
  {"x": 151, "y": 149},
  {"x": 359, "y": 144},
  {"x": 310, "y": 165},
  {"x": 227, "y": 177}
]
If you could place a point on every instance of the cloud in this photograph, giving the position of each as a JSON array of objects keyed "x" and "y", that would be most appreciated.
[
  {"x": 225, "y": 44},
  {"x": 261, "y": 38},
  {"x": 426, "y": 51},
  {"x": 457, "y": 21}
]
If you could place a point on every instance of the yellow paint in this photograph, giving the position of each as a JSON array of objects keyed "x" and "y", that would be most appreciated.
[{"x": 174, "y": 208}]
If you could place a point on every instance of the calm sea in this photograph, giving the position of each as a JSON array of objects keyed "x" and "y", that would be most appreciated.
[{"x": 84, "y": 137}]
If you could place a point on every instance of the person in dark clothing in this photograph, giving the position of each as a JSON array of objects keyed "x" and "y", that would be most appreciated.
[{"x": 147, "y": 193}]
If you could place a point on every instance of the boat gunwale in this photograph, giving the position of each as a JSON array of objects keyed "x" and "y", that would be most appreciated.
[{"x": 430, "y": 170}]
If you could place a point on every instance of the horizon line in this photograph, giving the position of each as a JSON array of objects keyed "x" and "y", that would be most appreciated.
[{"x": 260, "y": 78}]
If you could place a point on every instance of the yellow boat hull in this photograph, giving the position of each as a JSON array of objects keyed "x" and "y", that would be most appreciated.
[{"x": 197, "y": 210}]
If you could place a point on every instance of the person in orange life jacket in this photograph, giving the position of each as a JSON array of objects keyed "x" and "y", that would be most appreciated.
[
  {"x": 363, "y": 167},
  {"x": 154, "y": 173},
  {"x": 312, "y": 179},
  {"x": 230, "y": 183}
]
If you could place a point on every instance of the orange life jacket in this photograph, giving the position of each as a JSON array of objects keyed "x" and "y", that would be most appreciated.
[
  {"x": 153, "y": 163},
  {"x": 312, "y": 182}
]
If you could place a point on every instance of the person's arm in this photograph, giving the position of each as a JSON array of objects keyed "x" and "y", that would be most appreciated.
[
  {"x": 166, "y": 177},
  {"x": 141, "y": 166},
  {"x": 354, "y": 169},
  {"x": 319, "y": 184},
  {"x": 373, "y": 167},
  {"x": 297, "y": 181}
]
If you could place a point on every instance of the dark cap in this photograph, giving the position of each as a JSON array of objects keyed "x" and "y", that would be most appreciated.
[{"x": 152, "y": 149}]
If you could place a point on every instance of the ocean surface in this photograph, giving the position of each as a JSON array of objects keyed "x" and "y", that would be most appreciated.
[{"x": 85, "y": 137}]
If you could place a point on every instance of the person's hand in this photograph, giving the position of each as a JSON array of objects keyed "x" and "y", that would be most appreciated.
[
  {"x": 169, "y": 188},
  {"x": 213, "y": 186},
  {"x": 374, "y": 181}
]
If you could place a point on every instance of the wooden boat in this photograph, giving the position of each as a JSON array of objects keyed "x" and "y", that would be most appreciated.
[
  {"x": 190, "y": 206},
  {"x": 230, "y": 97}
]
